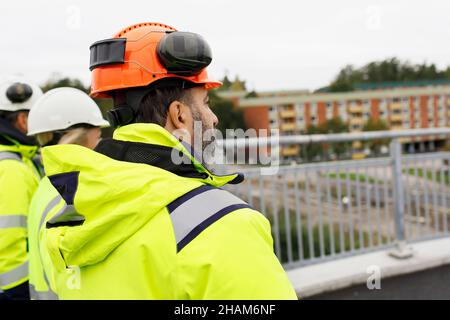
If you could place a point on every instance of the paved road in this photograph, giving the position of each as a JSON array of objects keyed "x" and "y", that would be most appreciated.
[{"x": 433, "y": 284}]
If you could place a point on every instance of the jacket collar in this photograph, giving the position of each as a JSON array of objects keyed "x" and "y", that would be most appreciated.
[
  {"x": 12, "y": 140},
  {"x": 154, "y": 135}
]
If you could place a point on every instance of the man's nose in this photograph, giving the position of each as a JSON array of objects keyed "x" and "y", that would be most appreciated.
[{"x": 215, "y": 120}]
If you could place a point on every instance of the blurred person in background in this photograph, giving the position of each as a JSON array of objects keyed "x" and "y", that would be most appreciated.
[
  {"x": 19, "y": 178},
  {"x": 60, "y": 116}
]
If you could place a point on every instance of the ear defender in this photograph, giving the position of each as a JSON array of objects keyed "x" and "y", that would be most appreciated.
[{"x": 19, "y": 92}]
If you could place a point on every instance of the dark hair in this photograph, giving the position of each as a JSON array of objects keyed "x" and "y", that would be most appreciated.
[
  {"x": 155, "y": 104},
  {"x": 10, "y": 116}
]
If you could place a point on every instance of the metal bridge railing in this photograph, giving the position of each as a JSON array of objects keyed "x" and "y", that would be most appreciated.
[{"x": 327, "y": 210}]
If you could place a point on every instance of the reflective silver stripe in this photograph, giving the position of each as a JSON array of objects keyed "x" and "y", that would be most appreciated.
[
  {"x": 13, "y": 221},
  {"x": 52, "y": 204},
  {"x": 42, "y": 295},
  {"x": 66, "y": 214},
  {"x": 9, "y": 156},
  {"x": 14, "y": 275},
  {"x": 190, "y": 214}
]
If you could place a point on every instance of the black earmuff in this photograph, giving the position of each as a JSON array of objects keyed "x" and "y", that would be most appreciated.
[{"x": 19, "y": 92}]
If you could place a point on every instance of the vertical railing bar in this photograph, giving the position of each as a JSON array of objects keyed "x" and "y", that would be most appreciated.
[
  {"x": 308, "y": 212},
  {"x": 399, "y": 201},
  {"x": 386, "y": 206},
  {"x": 275, "y": 218},
  {"x": 417, "y": 198},
  {"x": 298, "y": 217},
  {"x": 249, "y": 190},
  {"x": 287, "y": 221},
  {"x": 320, "y": 213},
  {"x": 444, "y": 196},
  {"x": 435, "y": 204},
  {"x": 408, "y": 212},
  {"x": 262, "y": 202},
  {"x": 427, "y": 207},
  {"x": 350, "y": 216},
  {"x": 360, "y": 215},
  {"x": 377, "y": 205},
  {"x": 341, "y": 214},
  {"x": 368, "y": 206},
  {"x": 330, "y": 219}
]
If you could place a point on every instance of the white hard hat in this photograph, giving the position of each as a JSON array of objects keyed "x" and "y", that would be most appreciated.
[
  {"x": 18, "y": 95},
  {"x": 61, "y": 108}
]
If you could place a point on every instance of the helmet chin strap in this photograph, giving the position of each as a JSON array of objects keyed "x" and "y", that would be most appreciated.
[
  {"x": 125, "y": 111},
  {"x": 121, "y": 115}
]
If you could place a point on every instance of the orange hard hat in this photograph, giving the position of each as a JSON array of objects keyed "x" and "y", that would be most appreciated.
[{"x": 147, "y": 52}]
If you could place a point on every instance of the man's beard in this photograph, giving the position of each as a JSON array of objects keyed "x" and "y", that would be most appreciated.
[{"x": 208, "y": 145}]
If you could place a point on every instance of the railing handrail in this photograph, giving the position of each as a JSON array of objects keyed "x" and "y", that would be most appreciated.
[{"x": 333, "y": 137}]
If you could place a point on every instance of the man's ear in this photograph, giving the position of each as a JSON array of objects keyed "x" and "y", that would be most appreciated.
[
  {"x": 22, "y": 122},
  {"x": 179, "y": 116}
]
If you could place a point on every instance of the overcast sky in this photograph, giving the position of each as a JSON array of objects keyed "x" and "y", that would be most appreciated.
[{"x": 278, "y": 44}]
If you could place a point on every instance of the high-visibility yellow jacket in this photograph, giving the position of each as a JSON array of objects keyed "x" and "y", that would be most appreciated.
[
  {"x": 133, "y": 226},
  {"x": 18, "y": 181},
  {"x": 40, "y": 268}
]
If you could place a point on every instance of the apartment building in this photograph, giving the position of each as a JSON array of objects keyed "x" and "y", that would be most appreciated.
[{"x": 400, "y": 107}]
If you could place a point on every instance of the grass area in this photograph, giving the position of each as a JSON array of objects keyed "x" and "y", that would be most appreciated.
[
  {"x": 355, "y": 177},
  {"x": 429, "y": 175}
]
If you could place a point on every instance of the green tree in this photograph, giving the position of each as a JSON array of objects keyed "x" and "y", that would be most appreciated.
[
  {"x": 316, "y": 150},
  {"x": 387, "y": 70},
  {"x": 64, "y": 82},
  {"x": 312, "y": 151},
  {"x": 226, "y": 84},
  {"x": 229, "y": 117},
  {"x": 335, "y": 125},
  {"x": 235, "y": 85},
  {"x": 376, "y": 125}
]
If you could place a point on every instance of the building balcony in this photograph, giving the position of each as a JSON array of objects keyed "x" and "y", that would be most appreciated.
[
  {"x": 358, "y": 155},
  {"x": 287, "y": 114},
  {"x": 356, "y": 121},
  {"x": 396, "y": 117},
  {"x": 396, "y": 106},
  {"x": 290, "y": 151},
  {"x": 357, "y": 145},
  {"x": 404, "y": 140},
  {"x": 397, "y": 127},
  {"x": 288, "y": 126},
  {"x": 356, "y": 108}
]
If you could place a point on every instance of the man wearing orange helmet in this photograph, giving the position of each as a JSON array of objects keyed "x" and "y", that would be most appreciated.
[{"x": 135, "y": 223}]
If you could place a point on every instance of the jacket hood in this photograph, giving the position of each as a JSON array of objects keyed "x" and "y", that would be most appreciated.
[{"x": 115, "y": 198}]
